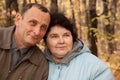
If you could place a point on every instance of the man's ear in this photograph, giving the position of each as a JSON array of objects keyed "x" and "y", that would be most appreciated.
[{"x": 17, "y": 18}]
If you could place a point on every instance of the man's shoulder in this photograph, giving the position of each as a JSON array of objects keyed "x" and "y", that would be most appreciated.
[
  {"x": 5, "y": 36},
  {"x": 4, "y": 29}
]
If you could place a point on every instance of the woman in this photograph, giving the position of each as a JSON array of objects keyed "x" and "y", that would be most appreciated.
[{"x": 68, "y": 56}]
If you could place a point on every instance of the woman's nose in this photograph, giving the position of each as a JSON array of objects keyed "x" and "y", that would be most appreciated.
[{"x": 61, "y": 40}]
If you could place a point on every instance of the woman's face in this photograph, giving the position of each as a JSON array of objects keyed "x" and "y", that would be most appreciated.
[{"x": 59, "y": 41}]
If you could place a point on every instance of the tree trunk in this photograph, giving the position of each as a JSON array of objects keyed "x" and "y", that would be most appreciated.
[
  {"x": 73, "y": 14},
  {"x": 11, "y": 9},
  {"x": 54, "y": 6},
  {"x": 75, "y": 6},
  {"x": 24, "y": 2},
  {"x": 93, "y": 25},
  {"x": 109, "y": 28}
]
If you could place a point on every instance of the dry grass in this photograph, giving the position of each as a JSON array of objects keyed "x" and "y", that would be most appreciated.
[{"x": 113, "y": 62}]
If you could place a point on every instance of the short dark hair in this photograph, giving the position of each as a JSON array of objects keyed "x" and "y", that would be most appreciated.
[
  {"x": 60, "y": 19},
  {"x": 30, "y": 5}
]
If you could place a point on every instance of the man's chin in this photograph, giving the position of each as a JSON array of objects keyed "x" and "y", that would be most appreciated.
[{"x": 33, "y": 42}]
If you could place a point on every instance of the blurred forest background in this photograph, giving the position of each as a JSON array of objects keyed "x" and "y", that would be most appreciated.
[{"x": 97, "y": 22}]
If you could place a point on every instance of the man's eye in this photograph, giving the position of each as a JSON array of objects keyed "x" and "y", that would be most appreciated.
[
  {"x": 33, "y": 23},
  {"x": 43, "y": 27}
]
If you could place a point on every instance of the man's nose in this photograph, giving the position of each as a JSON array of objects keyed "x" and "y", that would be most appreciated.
[{"x": 37, "y": 30}]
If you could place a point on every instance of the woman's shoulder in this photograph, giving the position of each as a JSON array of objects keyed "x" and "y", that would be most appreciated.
[{"x": 91, "y": 60}]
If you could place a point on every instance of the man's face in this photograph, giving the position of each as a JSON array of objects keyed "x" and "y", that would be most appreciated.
[{"x": 31, "y": 27}]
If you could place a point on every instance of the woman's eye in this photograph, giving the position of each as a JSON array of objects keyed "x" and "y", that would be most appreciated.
[
  {"x": 66, "y": 35},
  {"x": 53, "y": 36}
]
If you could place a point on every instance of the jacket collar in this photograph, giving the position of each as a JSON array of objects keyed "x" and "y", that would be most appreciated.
[{"x": 35, "y": 55}]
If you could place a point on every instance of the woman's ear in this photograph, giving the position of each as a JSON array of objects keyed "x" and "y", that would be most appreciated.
[{"x": 17, "y": 18}]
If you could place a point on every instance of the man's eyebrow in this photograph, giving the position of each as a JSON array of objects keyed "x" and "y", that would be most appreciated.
[
  {"x": 33, "y": 20},
  {"x": 44, "y": 25}
]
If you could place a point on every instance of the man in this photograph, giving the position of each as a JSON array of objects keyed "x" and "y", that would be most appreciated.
[{"x": 20, "y": 58}]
